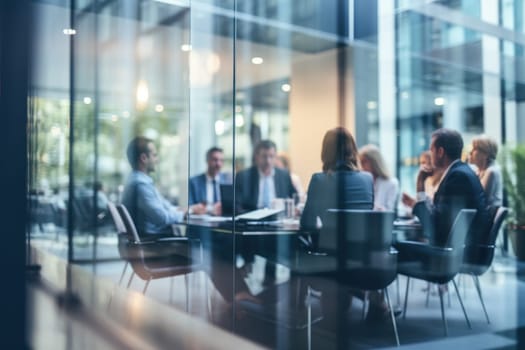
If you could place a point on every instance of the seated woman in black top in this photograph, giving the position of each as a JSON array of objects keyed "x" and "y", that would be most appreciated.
[{"x": 341, "y": 185}]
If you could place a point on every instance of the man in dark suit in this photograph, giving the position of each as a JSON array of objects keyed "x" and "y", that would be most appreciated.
[
  {"x": 257, "y": 186},
  {"x": 204, "y": 188},
  {"x": 458, "y": 189}
]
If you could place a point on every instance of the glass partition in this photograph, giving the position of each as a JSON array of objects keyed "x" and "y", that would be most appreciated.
[{"x": 235, "y": 99}]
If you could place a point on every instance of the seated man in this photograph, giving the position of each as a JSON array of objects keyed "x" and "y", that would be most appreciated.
[
  {"x": 256, "y": 188},
  {"x": 204, "y": 188},
  {"x": 259, "y": 185},
  {"x": 459, "y": 188},
  {"x": 151, "y": 212}
]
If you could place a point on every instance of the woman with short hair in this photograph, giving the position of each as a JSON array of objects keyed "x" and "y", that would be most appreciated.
[{"x": 483, "y": 156}]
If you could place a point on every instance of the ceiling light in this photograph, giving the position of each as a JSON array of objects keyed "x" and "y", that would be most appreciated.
[
  {"x": 185, "y": 47},
  {"x": 87, "y": 100},
  {"x": 257, "y": 60},
  {"x": 286, "y": 87},
  {"x": 69, "y": 31},
  {"x": 439, "y": 101}
]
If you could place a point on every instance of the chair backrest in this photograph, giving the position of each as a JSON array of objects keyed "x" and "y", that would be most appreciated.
[
  {"x": 117, "y": 220},
  {"x": 481, "y": 253},
  {"x": 373, "y": 228},
  {"x": 355, "y": 235},
  {"x": 460, "y": 227},
  {"x": 361, "y": 242},
  {"x": 499, "y": 217},
  {"x": 131, "y": 230}
]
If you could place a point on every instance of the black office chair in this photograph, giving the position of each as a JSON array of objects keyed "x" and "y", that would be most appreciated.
[
  {"x": 355, "y": 251},
  {"x": 166, "y": 257},
  {"x": 479, "y": 253},
  {"x": 436, "y": 264}
]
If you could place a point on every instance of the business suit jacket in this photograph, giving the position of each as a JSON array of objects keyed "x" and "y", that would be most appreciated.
[
  {"x": 247, "y": 187},
  {"x": 459, "y": 189},
  {"x": 197, "y": 190},
  {"x": 343, "y": 189}
]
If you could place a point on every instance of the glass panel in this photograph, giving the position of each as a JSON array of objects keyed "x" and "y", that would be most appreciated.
[{"x": 49, "y": 131}]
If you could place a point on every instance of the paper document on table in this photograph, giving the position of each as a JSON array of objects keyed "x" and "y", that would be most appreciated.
[
  {"x": 210, "y": 218},
  {"x": 258, "y": 214}
]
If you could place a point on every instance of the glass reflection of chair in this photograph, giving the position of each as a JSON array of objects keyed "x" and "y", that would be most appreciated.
[
  {"x": 435, "y": 264},
  {"x": 479, "y": 255},
  {"x": 165, "y": 257},
  {"x": 121, "y": 236},
  {"x": 355, "y": 248}
]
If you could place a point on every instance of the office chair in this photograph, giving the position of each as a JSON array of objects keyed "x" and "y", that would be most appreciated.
[
  {"x": 437, "y": 264},
  {"x": 166, "y": 257},
  {"x": 479, "y": 253}
]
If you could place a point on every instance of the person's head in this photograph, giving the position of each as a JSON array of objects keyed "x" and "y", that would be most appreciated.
[
  {"x": 339, "y": 150},
  {"x": 425, "y": 160},
  {"x": 372, "y": 161},
  {"x": 446, "y": 146},
  {"x": 142, "y": 154},
  {"x": 484, "y": 151},
  {"x": 215, "y": 160},
  {"x": 264, "y": 156}
]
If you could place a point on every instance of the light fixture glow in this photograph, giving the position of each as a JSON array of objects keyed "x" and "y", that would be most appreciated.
[
  {"x": 405, "y": 95},
  {"x": 371, "y": 105},
  {"x": 159, "y": 108},
  {"x": 185, "y": 47},
  {"x": 87, "y": 100},
  {"x": 114, "y": 118},
  {"x": 257, "y": 60},
  {"x": 286, "y": 87},
  {"x": 142, "y": 93},
  {"x": 69, "y": 31},
  {"x": 239, "y": 120},
  {"x": 219, "y": 127},
  {"x": 439, "y": 101}
]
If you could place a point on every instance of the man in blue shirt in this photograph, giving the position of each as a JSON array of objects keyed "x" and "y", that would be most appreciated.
[{"x": 151, "y": 212}]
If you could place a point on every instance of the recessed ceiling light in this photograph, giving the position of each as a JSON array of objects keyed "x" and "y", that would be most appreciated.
[
  {"x": 69, "y": 31},
  {"x": 185, "y": 47},
  {"x": 439, "y": 101},
  {"x": 87, "y": 100},
  {"x": 286, "y": 87},
  {"x": 257, "y": 60}
]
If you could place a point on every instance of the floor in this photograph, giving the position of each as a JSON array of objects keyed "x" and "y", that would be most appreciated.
[{"x": 503, "y": 289}]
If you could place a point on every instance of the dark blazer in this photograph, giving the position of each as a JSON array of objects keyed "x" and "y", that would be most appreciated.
[
  {"x": 459, "y": 189},
  {"x": 197, "y": 187},
  {"x": 343, "y": 189},
  {"x": 247, "y": 187}
]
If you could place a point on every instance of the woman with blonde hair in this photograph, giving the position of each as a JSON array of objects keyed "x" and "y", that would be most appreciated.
[
  {"x": 432, "y": 182},
  {"x": 483, "y": 156},
  {"x": 386, "y": 187}
]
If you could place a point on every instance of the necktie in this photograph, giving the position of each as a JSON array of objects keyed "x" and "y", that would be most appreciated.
[
  {"x": 266, "y": 192},
  {"x": 215, "y": 194}
]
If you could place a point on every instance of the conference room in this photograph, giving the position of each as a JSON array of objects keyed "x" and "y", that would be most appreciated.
[{"x": 284, "y": 144}]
